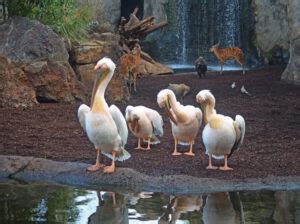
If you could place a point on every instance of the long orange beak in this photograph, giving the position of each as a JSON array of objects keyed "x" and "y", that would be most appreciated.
[{"x": 169, "y": 113}]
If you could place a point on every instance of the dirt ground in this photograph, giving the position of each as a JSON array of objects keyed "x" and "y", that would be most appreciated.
[{"x": 271, "y": 146}]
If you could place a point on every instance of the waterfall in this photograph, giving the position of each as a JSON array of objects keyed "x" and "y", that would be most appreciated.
[
  {"x": 195, "y": 25},
  {"x": 183, "y": 29}
]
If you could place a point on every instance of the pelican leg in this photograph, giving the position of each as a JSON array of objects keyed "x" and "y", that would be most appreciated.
[
  {"x": 139, "y": 144},
  {"x": 190, "y": 153},
  {"x": 112, "y": 167},
  {"x": 149, "y": 142},
  {"x": 225, "y": 167},
  {"x": 210, "y": 166},
  {"x": 175, "y": 153},
  {"x": 97, "y": 165}
]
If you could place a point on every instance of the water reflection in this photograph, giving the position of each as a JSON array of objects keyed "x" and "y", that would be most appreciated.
[{"x": 60, "y": 204}]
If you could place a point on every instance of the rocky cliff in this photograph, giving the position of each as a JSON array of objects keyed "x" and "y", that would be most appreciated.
[
  {"x": 278, "y": 33},
  {"x": 34, "y": 65}
]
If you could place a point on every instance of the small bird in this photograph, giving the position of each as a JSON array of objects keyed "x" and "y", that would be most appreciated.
[
  {"x": 221, "y": 135},
  {"x": 144, "y": 123},
  {"x": 233, "y": 85},
  {"x": 105, "y": 126},
  {"x": 180, "y": 90},
  {"x": 185, "y": 120},
  {"x": 243, "y": 90}
]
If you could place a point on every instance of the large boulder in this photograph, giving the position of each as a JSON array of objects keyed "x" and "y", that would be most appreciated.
[
  {"x": 34, "y": 65},
  {"x": 86, "y": 56},
  {"x": 278, "y": 30},
  {"x": 292, "y": 71}
]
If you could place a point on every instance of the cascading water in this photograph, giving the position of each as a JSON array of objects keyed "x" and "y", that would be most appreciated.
[
  {"x": 195, "y": 25},
  {"x": 183, "y": 29}
]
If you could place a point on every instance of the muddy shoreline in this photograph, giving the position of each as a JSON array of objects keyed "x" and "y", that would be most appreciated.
[{"x": 30, "y": 169}]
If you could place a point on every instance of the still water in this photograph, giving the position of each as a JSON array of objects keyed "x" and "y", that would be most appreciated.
[{"x": 23, "y": 203}]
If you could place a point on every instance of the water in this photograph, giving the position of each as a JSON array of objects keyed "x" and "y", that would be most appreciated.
[
  {"x": 61, "y": 204},
  {"x": 195, "y": 25}
]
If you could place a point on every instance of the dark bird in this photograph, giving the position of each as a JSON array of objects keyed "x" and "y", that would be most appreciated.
[{"x": 201, "y": 67}]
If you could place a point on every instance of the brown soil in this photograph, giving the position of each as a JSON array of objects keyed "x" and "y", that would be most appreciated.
[{"x": 271, "y": 145}]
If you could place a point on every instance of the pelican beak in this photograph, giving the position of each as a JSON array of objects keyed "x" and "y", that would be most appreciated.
[
  {"x": 168, "y": 111},
  {"x": 100, "y": 76}
]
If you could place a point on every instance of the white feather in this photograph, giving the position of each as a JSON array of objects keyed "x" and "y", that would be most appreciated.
[
  {"x": 120, "y": 123},
  {"x": 82, "y": 112}
]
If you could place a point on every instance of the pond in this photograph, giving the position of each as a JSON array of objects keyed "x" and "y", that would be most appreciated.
[{"x": 23, "y": 203}]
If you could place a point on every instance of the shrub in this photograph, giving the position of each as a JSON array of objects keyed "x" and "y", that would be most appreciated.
[{"x": 62, "y": 15}]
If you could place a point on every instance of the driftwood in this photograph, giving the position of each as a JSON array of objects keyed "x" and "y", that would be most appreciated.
[{"x": 134, "y": 30}]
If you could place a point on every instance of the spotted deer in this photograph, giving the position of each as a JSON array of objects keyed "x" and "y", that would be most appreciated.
[
  {"x": 228, "y": 53},
  {"x": 130, "y": 65}
]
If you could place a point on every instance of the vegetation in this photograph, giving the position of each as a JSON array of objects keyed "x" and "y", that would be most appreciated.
[{"x": 64, "y": 16}]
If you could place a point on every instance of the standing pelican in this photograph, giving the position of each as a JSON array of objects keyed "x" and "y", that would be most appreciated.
[
  {"x": 185, "y": 120},
  {"x": 221, "y": 135},
  {"x": 105, "y": 126},
  {"x": 144, "y": 123}
]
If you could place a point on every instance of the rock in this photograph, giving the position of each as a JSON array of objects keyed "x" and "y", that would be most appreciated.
[
  {"x": 269, "y": 20},
  {"x": 278, "y": 26},
  {"x": 155, "y": 68},
  {"x": 36, "y": 65},
  {"x": 109, "y": 45},
  {"x": 291, "y": 72},
  {"x": 88, "y": 52}
]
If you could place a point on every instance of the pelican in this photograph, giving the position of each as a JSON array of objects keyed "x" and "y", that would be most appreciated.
[
  {"x": 219, "y": 208},
  {"x": 144, "y": 123},
  {"x": 221, "y": 135},
  {"x": 185, "y": 120},
  {"x": 105, "y": 126},
  {"x": 180, "y": 205}
]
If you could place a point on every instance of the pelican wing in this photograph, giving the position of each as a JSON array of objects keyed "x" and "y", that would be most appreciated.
[
  {"x": 240, "y": 128},
  {"x": 156, "y": 121},
  {"x": 199, "y": 116},
  {"x": 120, "y": 123},
  {"x": 82, "y": 112}
]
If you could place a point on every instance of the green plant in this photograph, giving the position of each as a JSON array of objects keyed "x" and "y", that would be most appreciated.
[{"x": 64, "y": 16}]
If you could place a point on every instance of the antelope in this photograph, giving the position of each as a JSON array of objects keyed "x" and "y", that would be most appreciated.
[
  {"x": 129, "y": 65},
  {"x": 228, "y": 53}
]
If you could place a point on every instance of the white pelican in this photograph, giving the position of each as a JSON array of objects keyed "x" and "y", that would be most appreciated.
[
  {"x": 144, "y": 123},
  {"x": 219, "y": 208},
  {"x": 105, "y": 126},
  {"x": 222, "y": 135},
  {"x": 185, "y": 120}
]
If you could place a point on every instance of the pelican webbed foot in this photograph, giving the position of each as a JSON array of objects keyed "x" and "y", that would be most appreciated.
[
  {"x": 95, "y": 167},
  {"x": 109, "y": 169},
  {"x": 112, "y": 167},
  {"x": 139, "y": 145},
  {"x": 175, "y": 153},
  {"x": 226, "y": 167},
  {"x": 210, "y": 167},
  {"x": 190, "y": 153}
]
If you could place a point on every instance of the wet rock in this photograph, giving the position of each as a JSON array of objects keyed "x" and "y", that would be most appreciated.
[{"x": 34, "y": 65}]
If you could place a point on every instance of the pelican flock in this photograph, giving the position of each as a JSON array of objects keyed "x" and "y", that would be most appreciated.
[
  {"x": 144, "y": 123},
  {"x": 107, "y": 129},
  {"x": 105, "y": 126},
  {"x": 185, "y": 120}
]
